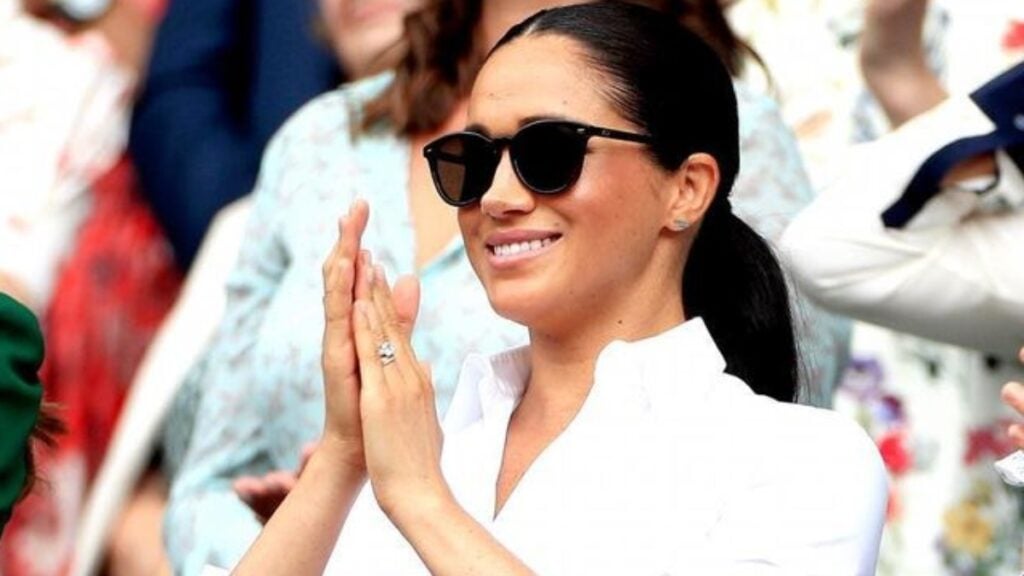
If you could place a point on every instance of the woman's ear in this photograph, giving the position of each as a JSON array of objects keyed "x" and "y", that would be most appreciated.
[{"x": 694, "y": 187}]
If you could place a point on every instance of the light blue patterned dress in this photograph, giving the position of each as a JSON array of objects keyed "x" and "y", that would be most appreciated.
[{"x": 256, "y": 397}]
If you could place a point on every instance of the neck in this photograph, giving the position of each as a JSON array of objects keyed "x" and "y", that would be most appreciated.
[{"x": 563, "y": 361}]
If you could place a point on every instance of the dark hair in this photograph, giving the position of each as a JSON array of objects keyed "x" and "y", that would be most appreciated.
[
  {"x": 48, "y": 427},
  {"x": 668, "y": 82},
  {"x": 441, "y": 58}
]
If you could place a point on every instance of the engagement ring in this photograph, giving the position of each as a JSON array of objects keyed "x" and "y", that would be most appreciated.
[{"x": 386, "y": 352}]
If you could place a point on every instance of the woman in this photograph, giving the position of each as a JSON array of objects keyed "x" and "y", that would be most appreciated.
[
  {"x": 615, "y": 443},
  {"x": 265, "y": 358}
]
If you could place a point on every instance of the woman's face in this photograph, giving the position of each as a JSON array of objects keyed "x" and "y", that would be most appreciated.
[
  {"x": 596, "y": 239},
  {"x": 360, "y": 30}
]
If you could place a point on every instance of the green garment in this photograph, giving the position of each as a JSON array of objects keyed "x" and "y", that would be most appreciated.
[{"x": 21, "y": 354}]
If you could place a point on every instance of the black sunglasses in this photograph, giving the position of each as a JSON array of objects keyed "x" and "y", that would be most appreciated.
[{"x": 547, "y": 157}]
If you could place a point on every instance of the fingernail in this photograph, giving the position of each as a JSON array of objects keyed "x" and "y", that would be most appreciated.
[
  {"x": 369, "y": 275},
  {"x": 380, "y": 274}
]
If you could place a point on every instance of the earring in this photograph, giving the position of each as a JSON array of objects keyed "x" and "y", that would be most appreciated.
[{"x": 680, "y": 224}]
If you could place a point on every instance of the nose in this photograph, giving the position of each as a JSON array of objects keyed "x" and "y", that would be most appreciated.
[{"x": 507, "y": 195}]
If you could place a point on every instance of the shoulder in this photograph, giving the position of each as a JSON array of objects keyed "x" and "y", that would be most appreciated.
[
  {"x": 799, "y": 488},
  {"x": 818, "y": 457},
  {"x": 330, "y": 116},
  {"x": 756, "y": 109},
  {"x": 809, "y": 440}
]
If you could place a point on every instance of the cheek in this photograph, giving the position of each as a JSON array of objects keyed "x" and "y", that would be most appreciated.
[
  {"x": 618, "y": 224},
  {"x": 469, "y": 224}
]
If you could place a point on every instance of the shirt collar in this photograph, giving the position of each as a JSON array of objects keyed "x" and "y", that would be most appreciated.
[
  {"x": 675, "y": 366},
  {"x": 668, "y": 371}
]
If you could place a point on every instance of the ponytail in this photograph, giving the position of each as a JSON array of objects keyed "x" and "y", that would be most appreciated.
[{"x": 734, "y": 282}]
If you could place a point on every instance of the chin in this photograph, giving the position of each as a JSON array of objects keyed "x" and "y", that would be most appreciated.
[{"x": 520, "y": 305}]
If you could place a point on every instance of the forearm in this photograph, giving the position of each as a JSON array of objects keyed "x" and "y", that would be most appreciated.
[
  {"x": 299, "y": 537},
  {"x": 904, "y": 89},
  {"x": 450, "y": 542},
  {"x": 893, "y": 59},
  {"x": 948, "y": 268}
]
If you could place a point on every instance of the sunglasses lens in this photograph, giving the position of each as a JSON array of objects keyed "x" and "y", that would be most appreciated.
[
  {"x": 463, "y": 167},
  {"x": 549, "y": 156}
]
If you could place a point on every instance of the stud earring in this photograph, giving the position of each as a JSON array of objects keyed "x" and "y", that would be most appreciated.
[{"x": 680, "y": 224}]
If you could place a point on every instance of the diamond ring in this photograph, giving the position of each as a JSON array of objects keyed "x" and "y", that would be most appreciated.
[{"x": 386, "y": 353}]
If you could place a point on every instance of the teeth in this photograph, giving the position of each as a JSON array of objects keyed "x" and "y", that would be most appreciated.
[{"x": 520, "y": 247}]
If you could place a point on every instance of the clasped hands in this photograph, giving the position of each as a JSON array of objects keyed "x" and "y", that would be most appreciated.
[
  {"x": 380, "y": 416},
  {"x": 380, "y": 422}
]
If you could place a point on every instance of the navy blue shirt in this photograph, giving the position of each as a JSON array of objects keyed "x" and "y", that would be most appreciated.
[{"x": 223, "y": 77}]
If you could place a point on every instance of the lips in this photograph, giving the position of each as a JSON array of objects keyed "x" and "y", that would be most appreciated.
[
  {"x": 520, "y": 243},
  {"x": 520, "y": 247}
]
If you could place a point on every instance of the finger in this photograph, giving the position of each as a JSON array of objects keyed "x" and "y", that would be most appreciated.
[
  {"x": 339, "y": 278},
  {"x": 406, "y": 299},
  {"x": 1016, "y": 433},
  {"x": 364, "y": 276},
  {"x": 338, "y": 292},
  {"x": 367, "y": 338},
  {"x": 1021, "y": 355},
  {"x": 280, "y": 481},
  {"x": 245, "y": 487},
  {"x": 352, "y": 232},
  {"x": 338, "y": 352},
  {"x": 1013, "y": 395},
  {"x": 393, "y": 331},
  {"x": 330, "y": 266}
]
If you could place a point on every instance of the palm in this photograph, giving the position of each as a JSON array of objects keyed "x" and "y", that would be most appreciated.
[{"x": 340, "y": 363}]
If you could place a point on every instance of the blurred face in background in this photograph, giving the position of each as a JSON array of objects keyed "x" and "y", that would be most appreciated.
[{"x": 362, "y": 30}]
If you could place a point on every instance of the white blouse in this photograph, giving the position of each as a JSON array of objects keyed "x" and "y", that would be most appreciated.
[{"x": 670, "y": 467}]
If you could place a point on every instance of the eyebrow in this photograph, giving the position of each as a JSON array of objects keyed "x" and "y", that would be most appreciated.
[{"x": 482, "y": 130}]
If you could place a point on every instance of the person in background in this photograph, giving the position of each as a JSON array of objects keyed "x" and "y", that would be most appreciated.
[
  {"x": 919, "y": 231},
  {"x": 79, "y": 246},
  {"x": 223, "y": 76},
  {"x": 21, "y": 393},
  {"x": 621, "y": 439},
  {"x": 364, "y": 141},
  {"x": 61, "y": 129},
  {"x": 120, "y": 530}
]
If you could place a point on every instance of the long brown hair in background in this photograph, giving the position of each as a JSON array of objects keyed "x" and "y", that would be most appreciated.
[{"x": 441, "y": 59}]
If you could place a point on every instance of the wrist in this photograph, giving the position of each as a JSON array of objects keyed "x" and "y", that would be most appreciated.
[
  {"x": 422, "y": 507},
  {"x": 343, "y": 455}
]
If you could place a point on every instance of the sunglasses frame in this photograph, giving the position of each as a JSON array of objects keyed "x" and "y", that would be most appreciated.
[{"x": 497, "y": 146}]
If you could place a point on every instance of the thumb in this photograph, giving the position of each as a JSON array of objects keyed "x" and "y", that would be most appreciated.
[{"x": 405, "y": 297}]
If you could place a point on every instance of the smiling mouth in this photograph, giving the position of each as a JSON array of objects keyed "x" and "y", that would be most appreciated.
[{"x": 524, "y": 247}]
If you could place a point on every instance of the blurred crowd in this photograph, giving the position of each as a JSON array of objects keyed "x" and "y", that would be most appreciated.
[{"x": 173, "y": 170}]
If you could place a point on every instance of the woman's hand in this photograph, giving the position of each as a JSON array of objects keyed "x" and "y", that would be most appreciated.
[
  {"x": 1013, "y": 396},
  {"x": 263, "y": 494},
  {"x": 343, "y": 437},
  {"x": 401, "y": 434}
]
